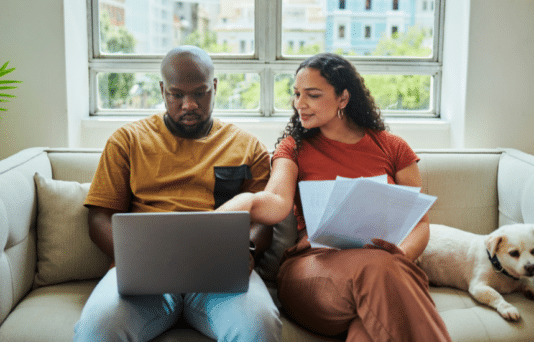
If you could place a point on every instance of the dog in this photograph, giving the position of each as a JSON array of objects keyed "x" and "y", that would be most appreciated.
[{"x": 484, "y": 265}]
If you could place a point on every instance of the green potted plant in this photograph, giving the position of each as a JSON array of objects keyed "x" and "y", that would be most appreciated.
[{"x": 6, "y": 84}]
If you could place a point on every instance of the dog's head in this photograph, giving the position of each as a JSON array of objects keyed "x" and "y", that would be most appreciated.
[{"x": 514, "y": 247}]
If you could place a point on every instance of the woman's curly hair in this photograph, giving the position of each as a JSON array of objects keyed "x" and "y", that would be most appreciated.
[{"x": 341, "y": 74}]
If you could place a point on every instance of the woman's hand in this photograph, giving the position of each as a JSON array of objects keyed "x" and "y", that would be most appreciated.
[
  {"x": 385, "y": 245},
  {"x": 240, "y": 202}
]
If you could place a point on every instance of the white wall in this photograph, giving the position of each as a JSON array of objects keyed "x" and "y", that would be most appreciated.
[
  {"x": 500, "y": 75},
  {"x": 33, "y": 40},
  {"x": 488, "y": 79}
]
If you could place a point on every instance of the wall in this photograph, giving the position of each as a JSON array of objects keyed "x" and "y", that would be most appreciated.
[
  {"x": 488, "y": 80},
  {"x": 500, "y": 75},
  {"x": 33, "y": 40}
]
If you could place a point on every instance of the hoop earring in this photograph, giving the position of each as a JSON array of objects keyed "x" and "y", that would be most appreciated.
[{"x": 340, "y": 114}]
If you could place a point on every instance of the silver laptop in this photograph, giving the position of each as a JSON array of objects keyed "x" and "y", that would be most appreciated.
[{"x": 181, "y": 252}]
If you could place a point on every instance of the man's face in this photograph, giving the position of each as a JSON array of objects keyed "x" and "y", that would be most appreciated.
[{"x": 189, "y": 95}]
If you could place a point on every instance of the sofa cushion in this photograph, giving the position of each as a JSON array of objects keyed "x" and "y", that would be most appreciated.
[
  {"x": 465, "y": 183},
  {"x": 64, "y": 250},
  {"x": 48, "y": 313}
]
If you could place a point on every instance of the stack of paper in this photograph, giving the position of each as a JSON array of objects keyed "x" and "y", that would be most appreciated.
[{"x": 349, "y": 213}]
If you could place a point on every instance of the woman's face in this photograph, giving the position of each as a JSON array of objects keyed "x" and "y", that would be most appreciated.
[{"x": 315, "y": 99}]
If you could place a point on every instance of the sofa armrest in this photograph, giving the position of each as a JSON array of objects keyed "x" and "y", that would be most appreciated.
[
  {"x": 516, "y": 187},
  {"x": 17, "y": 224}
]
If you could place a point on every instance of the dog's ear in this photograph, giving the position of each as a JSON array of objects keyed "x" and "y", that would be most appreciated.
[{"x": 493, "y": 242}]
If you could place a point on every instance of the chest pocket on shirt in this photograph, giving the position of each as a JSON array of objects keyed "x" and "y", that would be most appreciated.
[{"x": 228, "y": 181}]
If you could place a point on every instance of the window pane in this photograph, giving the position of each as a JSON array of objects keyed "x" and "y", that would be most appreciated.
[
  {"x": 150, "y": 27},
  {"x": 283, "y": 91},
  {"x": 391, "y": 92},
  {"x": 237, "y": 91},
  {"x": 370, "y": 28},
  {"x": 130, "y": 91},
  {"x": 400, "y": 92}
]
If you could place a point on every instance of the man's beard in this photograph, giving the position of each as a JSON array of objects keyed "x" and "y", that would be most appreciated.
[{"x": 187, "y": 131}]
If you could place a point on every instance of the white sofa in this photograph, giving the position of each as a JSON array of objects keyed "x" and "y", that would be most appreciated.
[{"x": 48, "y": 266}]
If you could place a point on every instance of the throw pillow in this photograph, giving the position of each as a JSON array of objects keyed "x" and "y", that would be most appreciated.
[{"x": 64, "y": 250}]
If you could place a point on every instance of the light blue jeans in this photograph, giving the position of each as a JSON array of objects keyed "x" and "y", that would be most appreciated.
[{"x": 248, "y": 316}]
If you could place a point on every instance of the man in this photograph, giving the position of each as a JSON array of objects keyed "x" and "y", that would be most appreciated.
[{"x": 180, "y": 160}]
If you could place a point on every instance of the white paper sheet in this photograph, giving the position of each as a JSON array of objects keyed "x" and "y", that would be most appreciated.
[{"x": 349, "y": 213}]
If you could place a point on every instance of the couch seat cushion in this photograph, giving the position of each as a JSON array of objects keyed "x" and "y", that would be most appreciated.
[
  {"x": 467, "y": 320},
  {"x": 47, "y": 313}
]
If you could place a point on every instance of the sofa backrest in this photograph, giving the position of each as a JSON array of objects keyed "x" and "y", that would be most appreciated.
[
  {"x": 74, "y": 165},
  {"x": 465, "y": 183}
]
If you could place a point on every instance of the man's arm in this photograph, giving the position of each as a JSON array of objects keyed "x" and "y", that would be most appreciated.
[{"x": 100, "y": 228}]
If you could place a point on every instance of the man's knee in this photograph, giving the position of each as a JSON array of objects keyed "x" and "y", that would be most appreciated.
[
  {"x": 100, "y": 328},
  {"x": 259, "y": 322}
]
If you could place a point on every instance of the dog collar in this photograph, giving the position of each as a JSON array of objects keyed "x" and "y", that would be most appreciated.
[{"x": 498, "y": 267}]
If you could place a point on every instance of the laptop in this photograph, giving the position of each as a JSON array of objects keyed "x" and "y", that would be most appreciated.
[{"x": 181, "y": 252}]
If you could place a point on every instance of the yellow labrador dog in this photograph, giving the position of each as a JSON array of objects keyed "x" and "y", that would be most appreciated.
[{"x": 484, "y": 265}]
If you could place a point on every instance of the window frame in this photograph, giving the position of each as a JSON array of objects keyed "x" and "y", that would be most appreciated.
[{"x": 267, "y": 61}]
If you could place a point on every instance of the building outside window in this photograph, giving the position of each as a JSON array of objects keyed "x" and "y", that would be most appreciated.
[{"x": 257, "y": 45}]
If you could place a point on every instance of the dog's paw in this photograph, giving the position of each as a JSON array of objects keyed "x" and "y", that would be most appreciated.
[{"x": 509, "y": 312}]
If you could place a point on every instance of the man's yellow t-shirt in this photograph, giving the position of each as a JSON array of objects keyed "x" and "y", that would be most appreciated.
[{"x": 144, "y": 167}]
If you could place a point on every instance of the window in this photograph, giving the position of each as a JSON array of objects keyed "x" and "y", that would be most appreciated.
[
  {"x": 341, "y": 4},
  {"x": 341, "y": 32},
  {"x": 395, "y": 5},
  {"x": 256, "y": 55}
]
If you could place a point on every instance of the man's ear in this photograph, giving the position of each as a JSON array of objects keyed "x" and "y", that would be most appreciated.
[
  {"x": 161, "y": 87},
  {"x": 215, "y": 80},
  {"x": 492, "y": 243}
]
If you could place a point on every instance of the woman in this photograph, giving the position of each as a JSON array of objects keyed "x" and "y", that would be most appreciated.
[{"x": 370, "y": 294}]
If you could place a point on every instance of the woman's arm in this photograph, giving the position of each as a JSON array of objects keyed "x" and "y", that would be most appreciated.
[
  {"x": 415, "y": 243},
  {"x": 274, "y": 203}
]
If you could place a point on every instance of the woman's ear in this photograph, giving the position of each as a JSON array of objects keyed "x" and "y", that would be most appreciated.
[{"x": 345, "y": 96}]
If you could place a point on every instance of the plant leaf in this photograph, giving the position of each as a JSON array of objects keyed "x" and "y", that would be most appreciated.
[
  {"x": 9, "y": 81},
  {"x": 4, "y": 66},
  {"x": 5, "y": 72},
  {"x": 7, "y": 95}
]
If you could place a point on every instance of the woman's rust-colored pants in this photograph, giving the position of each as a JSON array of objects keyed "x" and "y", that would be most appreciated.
[{"x": 370, "y": 294}]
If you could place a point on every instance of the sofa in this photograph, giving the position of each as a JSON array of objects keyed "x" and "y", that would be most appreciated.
[{"x": 49, "y": 266}]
